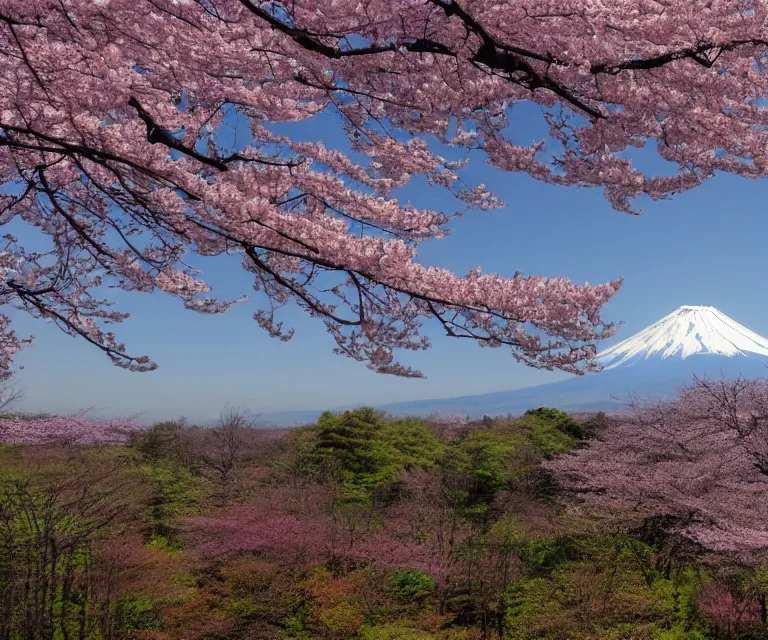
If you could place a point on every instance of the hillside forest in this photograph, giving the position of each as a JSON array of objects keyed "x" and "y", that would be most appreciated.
[{"x": 643, "y": 525}]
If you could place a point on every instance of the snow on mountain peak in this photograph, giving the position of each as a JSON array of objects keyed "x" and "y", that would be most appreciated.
[{"x": 688, "y": 330}]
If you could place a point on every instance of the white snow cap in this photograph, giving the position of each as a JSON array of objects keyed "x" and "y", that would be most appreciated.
[{"x": 687, "y": 331}]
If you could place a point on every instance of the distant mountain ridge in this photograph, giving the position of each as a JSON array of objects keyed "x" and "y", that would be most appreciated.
[{"x": 654, "y": 361}]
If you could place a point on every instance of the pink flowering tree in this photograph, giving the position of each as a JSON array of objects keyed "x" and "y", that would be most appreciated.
[
  {"x": 302, "y": 526},
  {"x": 268, "y": 524},
  {"x": 110, "y": 109},
  {"x": 725, "y": 611},
  {"x": 697, "y": 460},
  {"x": 77, "y": 430}
]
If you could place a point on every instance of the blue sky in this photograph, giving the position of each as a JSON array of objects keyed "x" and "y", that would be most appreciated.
[{"x": 703, "y": 247}]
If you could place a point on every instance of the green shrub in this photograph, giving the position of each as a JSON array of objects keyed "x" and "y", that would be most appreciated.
[
  {"x": 159, "y": 441},
  {"x": 138, "y": 614},
  {"x": 552, "y": 430},
  {"x": 488, "y": 459},
  {"x": 175, "y": 493},
  {"x": 677, "y": 633},
  {"x": 408, "y": 585},
  {"x": 296, "y": 625},
  {"x": 392, "y": 632},
  {"x": 541, "y": 556},
  {"x": 559, "y": 419},
  {"x": 366, "y": 450}
]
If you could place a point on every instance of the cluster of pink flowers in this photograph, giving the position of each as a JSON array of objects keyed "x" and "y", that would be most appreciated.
[
  {"x": 274, "y": 525},
  {"x": 69, "y": 429},
  {"x": 93, "y": 93},
  {"x": 719, "y": 604},
  {"x": 700, "y": 458},
  {"x": 94, "y": 97},
  {"x": 262, "y": 526}
]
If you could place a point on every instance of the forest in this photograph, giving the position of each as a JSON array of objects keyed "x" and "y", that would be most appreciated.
[{"x": 648, "y": 524}]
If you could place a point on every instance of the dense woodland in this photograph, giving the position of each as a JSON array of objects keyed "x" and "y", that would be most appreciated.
[{"x": 361, "y": 526}]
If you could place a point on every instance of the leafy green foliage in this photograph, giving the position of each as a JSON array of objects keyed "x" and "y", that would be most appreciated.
[
  {"x": 158, "y": 441},
  {"x": 367, "y": 451},
  {"x": 410, "y": 585},
  {"x": 543, "y": 556},
  {"x": 584, "y": 587},
  {"x": 508, "y": 565},
  {"x": 504, "y": 454},
  {"x": 139, "y": 614},
  {"x": 676, "y": 633},
  {"x": 175, "y": 492},
  {"x": 392, "y": 632},
  {"x": 549, "y": 426},
  {"x": 489, "y": 458},
  {"x": 296, "y": 625}
]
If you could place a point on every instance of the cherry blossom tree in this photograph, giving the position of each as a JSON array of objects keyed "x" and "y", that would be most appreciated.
[
  {"x": 265, "y": 525},
  {"x": 287, "y": 526},
  {"x": 726, "y": 611},
  {"x": 109, "y": 151},
  {"x": 697, "y": 460},
  {"x": 110, "y": 110},
  {"x": 70, "y": 429}
]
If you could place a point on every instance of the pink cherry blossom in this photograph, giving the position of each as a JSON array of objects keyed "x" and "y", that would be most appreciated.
[
  {"x": 699, "y": 458},
  {"x": 719, "y": 605},
  {"x": 109, "y": 151},
  {"x": 66, "y": 429},
  {"x": 304, "y": 527}
]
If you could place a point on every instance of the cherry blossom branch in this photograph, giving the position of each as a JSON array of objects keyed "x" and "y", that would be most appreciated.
[{"x": 109, "y": 150}]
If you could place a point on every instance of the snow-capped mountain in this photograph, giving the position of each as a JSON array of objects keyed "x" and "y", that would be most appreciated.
[
  {"x": 655, "y": 361},
  {"x": 687, "y": 331}
]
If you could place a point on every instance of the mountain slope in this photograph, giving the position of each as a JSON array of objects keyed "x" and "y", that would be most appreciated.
[
  {"x": 654, "y": 361},
  {"x": 687, "y": 331}
]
